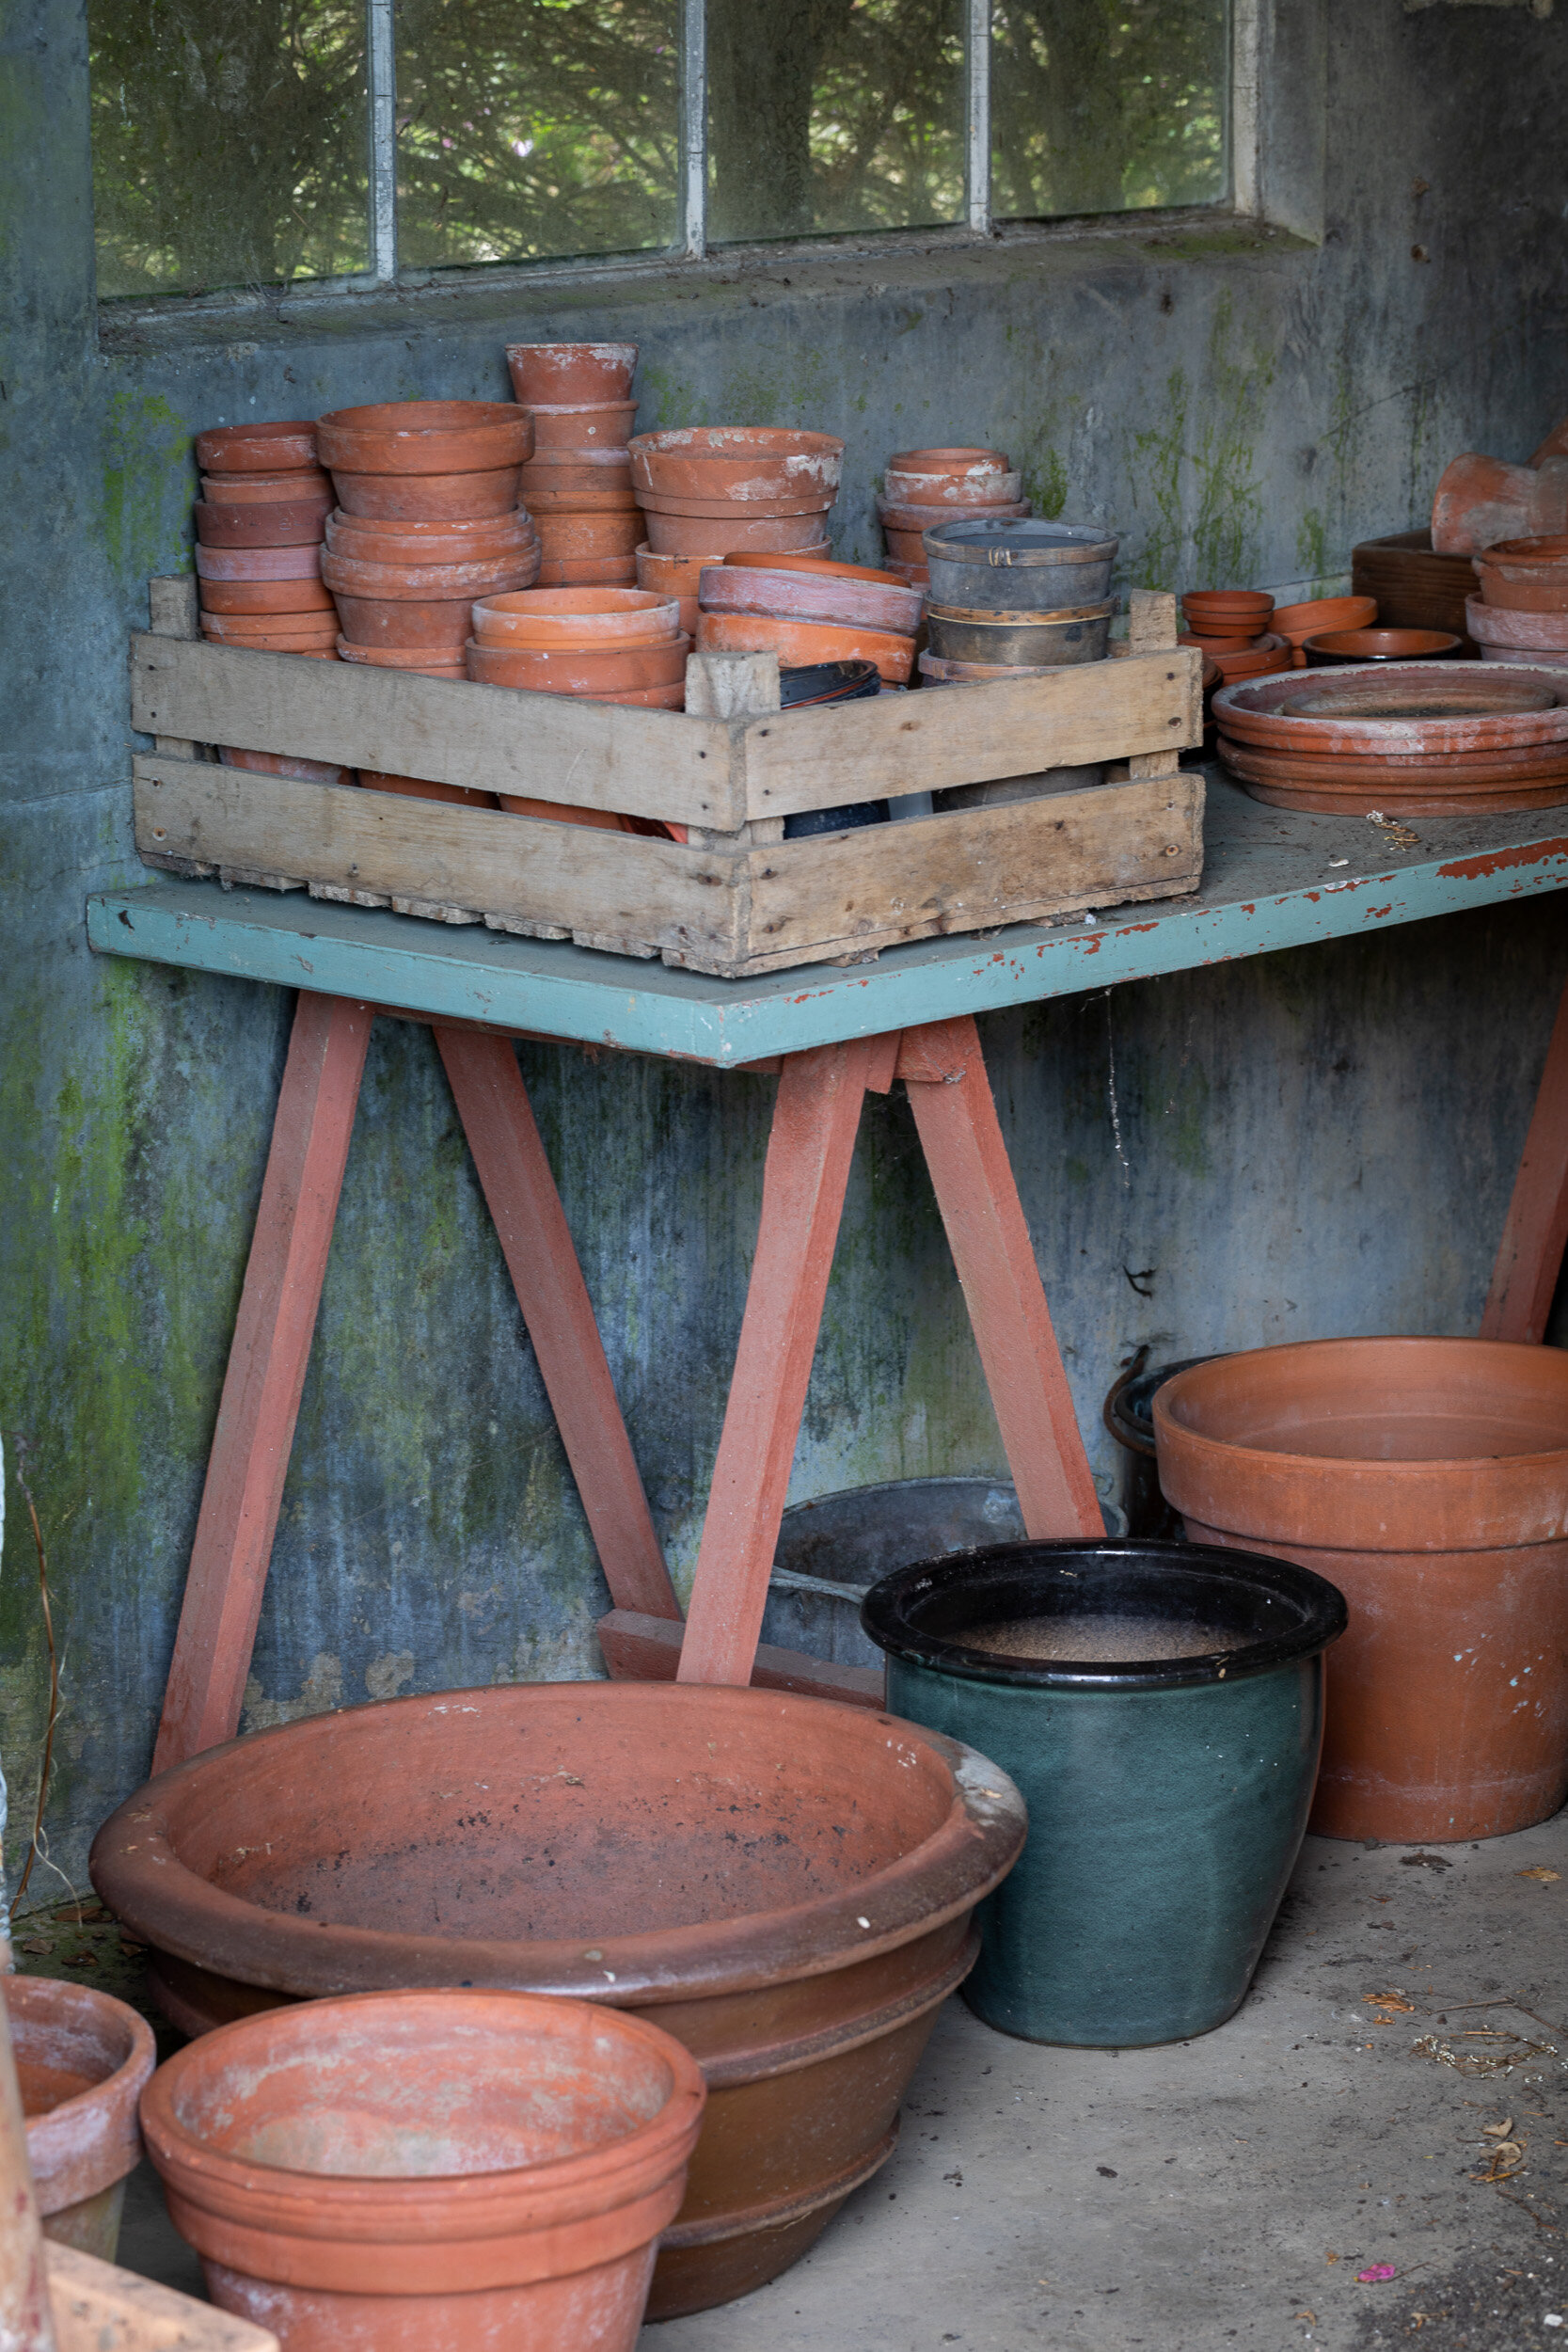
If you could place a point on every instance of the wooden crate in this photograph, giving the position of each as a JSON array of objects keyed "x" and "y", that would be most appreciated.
[{"x": 736, "y": 899}]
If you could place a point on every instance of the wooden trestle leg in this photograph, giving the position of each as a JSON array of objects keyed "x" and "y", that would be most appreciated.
[
  {"x": 266, "y": 1374},
  {"x": 1525, "y": 1279}
]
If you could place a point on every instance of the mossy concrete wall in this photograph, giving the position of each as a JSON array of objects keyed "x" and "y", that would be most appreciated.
[{"x": 1306, "y": 1143}]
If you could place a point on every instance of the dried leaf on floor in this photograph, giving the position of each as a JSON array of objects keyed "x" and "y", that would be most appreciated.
[
  {"x": 1498, "y": 2131},
  {"x": 1547, "y": 1877},
  {"x": 1505, "y": 2159}
]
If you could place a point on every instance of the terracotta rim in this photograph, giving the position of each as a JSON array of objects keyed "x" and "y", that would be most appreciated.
[
  {"x": 585, "y": 571},
  {"x": 1295, "y": 623},
  {"x": 702, "y": 535},
  {"x": 265, "y": 489},
  {"x": 737, "y": 463},
  {"x": 425, "y": 657},
  {"x": 373, "y": 542},
  {"x": 542, "y": 372},
  {"x": 825, "y": 565},
  {"x": 801, "y": 644},
  {"x": 678, "y": 575},
  {"x": 581, "y": 669},
  {"x": 1382, "y": 644},
  {"x": 256, "y": 597},
  {"x": 89, "y": 2141},
  {"x": 563, "y": 617},
  {"x": 425, "y": 436},
  {"x": 735, "y": 510},
  {"x": 1486, "y": 776},
  {"x": 309, "y": 627},
  {"x": 952, "y": 490},
  {"x": 258, "y": 448},
  {"x": 292, "y": 562},
  {"x": 1546, "y": 553},
  {"x": 969, "y": 1853},
  {"x": 976, "y": 461},
  {"x": 1250, "y": 714},
  {"x": 564, "y": 535},
  {"x": 426, "y": 583},
  {"x": 1497, "y": 624},
  {"x": 834, "y": 597}
]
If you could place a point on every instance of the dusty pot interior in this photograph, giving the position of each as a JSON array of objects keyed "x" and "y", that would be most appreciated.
[{"x": 82, "y": 2060}]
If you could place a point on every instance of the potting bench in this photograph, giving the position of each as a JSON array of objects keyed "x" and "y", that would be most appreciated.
[{"x": 1272, "y": 879}]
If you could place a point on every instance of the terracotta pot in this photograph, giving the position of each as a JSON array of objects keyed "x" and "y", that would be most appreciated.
[
  {"x": 1501, "y": 630},
  {"x": 792, "y": 1898},
  {"x": 559, "y": 462},
  {"x": 559, "y": 374},
  {"x": 1238, "y": 613},
  {"x": 577, "y": 616},
  {"x": 1380, "y": 644},
  {"x": 800, "y": 644},
  {"x": 669, "y": 575},
  {"x": 428, "y": 661},
  {"x": 491, "y": 575},
  {"x": 1461, "y": 711},
  {"x": 719, "y": 509},
  {"x": 436, "y": 2168},
  {"x": 588, "y": 571},
  {"x": 439, "y": 630},
  {"x": 1481, "y": 499},
  {"x": 428, "y": 498},
  {"x": 832, "y": 594},
  {"x": 1448, "y": 784},
  {"x": 1428, "y": 1479},
  {"x": 1214, "y": 646},
  {"x": 425, "y": 789},
  {"x": 1524, "y": 575},
  {"x": 424, "y": 437},
  {"x": 275, "y": 763},
  {"x": 258, "y": 448},
  {"x": 895, "y": 514},
  {"x": 271, "y": 628},
  {"x": 582, "y": 424},
  {"x": 1540, "y": 657},
  {"x": 586, "y": 499},
  {"x": 905, "y": 551},
  {"x": 279, "y": 523},
  {"x": 82, "y": 2060},
  {"x": 1296, "y": 623},
  {"x": 976, "y": 465},
  {"x": 267, "y": 489},
  {"x": 563, "y": 536},
  {"x": 696, "y": 536},
  {"x": 902, "y": 488},
  {"x": 265, "y": 596},
  {"x": 579, "y": 669},
  {"x": 1264, "y": 657},
  {"x": 488, "y": 539},
  {"x": 740, "y": 464},
  {"x": 257, "y": 562}
]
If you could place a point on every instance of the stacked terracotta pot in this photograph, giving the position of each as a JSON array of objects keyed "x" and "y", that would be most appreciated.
[
  {"x": 427, "y": 519},
  {"x": 809, "y": 610},
  {"x": 924, "y": 488},
  {"x": 1296, "y": 623},
  {"x": 1230, "y": 628},
  {"x": 709, "y": 491},
  {"x": 1521, "y": 613},
  {"x": 577, "y": 484}
]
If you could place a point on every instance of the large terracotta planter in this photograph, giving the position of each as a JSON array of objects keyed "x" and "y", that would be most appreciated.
[
  {"x": 785, "y": 1885},
  {"x": 450, "y": 2171},
  {"x": 1428, "y": 1479},
  {"x": 82, "y": 2060}
]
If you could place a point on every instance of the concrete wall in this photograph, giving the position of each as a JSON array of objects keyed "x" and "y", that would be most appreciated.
[{"x": 1307, "y": 1143}]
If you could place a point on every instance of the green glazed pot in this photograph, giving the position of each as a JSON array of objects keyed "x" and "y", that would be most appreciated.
[{"x": 1167, "y": 1798}]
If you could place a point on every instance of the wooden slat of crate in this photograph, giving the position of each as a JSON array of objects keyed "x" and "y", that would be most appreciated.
[
  {"x": 969, "y": 735},
  {"x": 649, "y": 763},
  {"x": 712, "y": 772},
  {"x": 733, "y": 913}
]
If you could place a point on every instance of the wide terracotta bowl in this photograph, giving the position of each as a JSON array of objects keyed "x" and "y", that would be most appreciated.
[
  {"x": 785, "y": 1885},
  {"x": 1380, "y": 645}
]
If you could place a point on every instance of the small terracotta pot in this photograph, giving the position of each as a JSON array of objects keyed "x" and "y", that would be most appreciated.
[
  {"x": 560, "y": 617},
  {"x": 428, "y": 498},
  {"x": 397, "y": 621},
  {"x": 275, "y": 763},
  {"x": 257, "y": 448},
  {"x": 1227, "y": 613},
  {"x": 487, "y": 539},
  {"x": 434, "y": 2169},
  {"x": 424, "y": 788},
  {"x": 294, "y": 523},
  {"x": 905, "y": 551},
  {"x": 558, "y": 375},
  {"x": 424, "y": 437},
  {"x": 1214, "y": 646},
  {"x": 1425, "y": 1478},
  {"x": 563, "y": 536},
  {"x": 742, "y": 464},
  {"x": 831, "y": 594},
  {"x": 896, "y": 515},
  {"x": 1296, "y": 623},
  {"x": 1380, "y": 644},
  {"x": 267, "y": 489},
  {"x": 587, "y": 571},
  {"x": 580, "y": 670},
  {"x": 257, "y": 562},
  {"x": 582, "y": 424},
  {"x": 1267, "y": 656},
  {"x": 584, "y": 498},
  {"x": 1499, "y": 631},
  {"x": 669, "y": 575},
  {"x": 976, "y": 464},
  {"x": 952, "y": 489},
  {"x": 425, "y": 583},
  {"x": 248, "y": 628},
  {"x": 694, "y": 535},
  {"x": 425, "y": 660},
  {"x": 1524, "y": 575},
  {"x": 265, "y": 596},
  {"x": 800, "y": 644},
  {"x": 1481, "y": 499},
  {"x": 82, "y": 2062}
]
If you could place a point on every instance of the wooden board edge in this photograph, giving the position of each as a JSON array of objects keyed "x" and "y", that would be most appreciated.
[
  {"x": 97, "y": 2307},
  {"x": 639, "y": 1648}
]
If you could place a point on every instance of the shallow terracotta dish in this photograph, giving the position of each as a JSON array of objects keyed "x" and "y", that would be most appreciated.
[
  {"x": 1296, "y": 623},
  {"x": 258, "y": 448},
  {"x": 1380, "y": 645},
  {"x": 424, "y": 437},
  {"x": 1524, "y": 575},
  {"x": 800, "y": 645},
  {"x": 559, "y": 617},
  {"x": 561, "y": 373},
  {"x": 415, "y": 498},
  {"x": 1215, "y": 647},
  {"x": 1510, "y": 630},
  {"x": 785, "y": 1884},
  {"x": 243, "y": 628},
  {"x": 430, "y": 660}
]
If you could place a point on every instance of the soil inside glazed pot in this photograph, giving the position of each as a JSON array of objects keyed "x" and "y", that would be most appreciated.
[{"x": 1098, "y": 1639}]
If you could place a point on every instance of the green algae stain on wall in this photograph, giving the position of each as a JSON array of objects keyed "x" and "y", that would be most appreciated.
[
  {"x": 147, "y": 484},
  {"x": 1197, "y": 472}
]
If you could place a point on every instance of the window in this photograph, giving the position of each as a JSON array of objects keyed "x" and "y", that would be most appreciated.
[{"x": 263, "y": 142}]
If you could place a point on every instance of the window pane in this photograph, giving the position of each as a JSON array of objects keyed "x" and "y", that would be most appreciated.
[
  {"x": 228, "y": 142},
  {"x": 534, "y": 127},
  {"x": 1108, "y": 105},
  {"x": 832, "y": 114}
]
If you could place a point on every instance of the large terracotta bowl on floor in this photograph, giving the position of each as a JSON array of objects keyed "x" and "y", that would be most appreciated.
[{"x": 783, "y": 1884}]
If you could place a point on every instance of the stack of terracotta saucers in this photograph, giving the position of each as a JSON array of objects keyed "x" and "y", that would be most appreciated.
[
  {"x": 924, "y": 488},
  {"x": 708, "y": 491},
  {"x": 808, "y": 611},
  {"x": 577, "y": 483},
  {"x": 1296, "y": 623},
  {"x": 1230, "y": 628},
  {"x": 1521, "y": 613},
  {"x": 427, "y": 519}
]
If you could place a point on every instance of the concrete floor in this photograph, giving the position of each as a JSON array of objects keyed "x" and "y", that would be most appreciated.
[{"x": 1219, "y": 2195}]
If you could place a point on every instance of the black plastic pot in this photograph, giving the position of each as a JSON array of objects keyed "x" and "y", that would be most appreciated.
[{"x": 1167, "y": 1797}]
